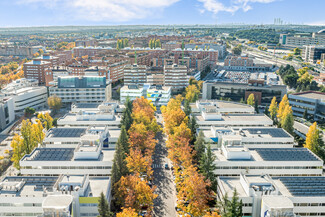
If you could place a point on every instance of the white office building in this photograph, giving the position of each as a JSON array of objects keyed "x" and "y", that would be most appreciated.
[
  {"x": 7, "y": 112},
  {"x": 25, "y": 93},
  {"x": 87, "y": 89},
  {"x": 276, "y": 196},
  {"x": 222, "y": 107},
  {"x": 312, "y": 101},
  {"x": 159, "y": 95},
  {"x": 210, "y": 118},
  {"x": 65, "y": 195},
  {"x": 234, "y": 160}
]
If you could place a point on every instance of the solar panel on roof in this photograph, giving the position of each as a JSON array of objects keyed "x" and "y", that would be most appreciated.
[
  {"x": 304, "y": 186},
  {"x": 274, "y": 132},
  {"x": 54, "y": 154},
  {"x": 286, "y": 154},
  {"x": 67, "y": 132}
]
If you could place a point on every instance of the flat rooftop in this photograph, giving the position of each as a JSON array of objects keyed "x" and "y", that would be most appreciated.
[
  {"x": 66, "y": 154},
  {"x": 286, "y": 154},
  {"x": 85, "y": 105},
  {"x": 311, "y": 186},
  {"x": 265, "y": 132},
  {"x": 65, "y": 132},
  {"x": 271, "y": 154},
  {"x": 311, "y": 95},
  {"x": 229, "y": 184},
  {"x": 256, "y": 118},
  {"x": 27, "y": 186}
]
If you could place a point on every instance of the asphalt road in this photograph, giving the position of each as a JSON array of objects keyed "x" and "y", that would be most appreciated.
[{"x": 164, "y": 204}]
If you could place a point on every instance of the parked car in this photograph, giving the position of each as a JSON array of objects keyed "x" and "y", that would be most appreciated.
[{"x": 166, "y": 166}]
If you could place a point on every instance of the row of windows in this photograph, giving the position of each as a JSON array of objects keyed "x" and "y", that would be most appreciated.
[
  {"x": 20, "y": 214},
  {"x": 266, "y": 167},
  {"x": 70, "y": 167},
  {"x": 309, "y": 204},
  {"x": 22, "y": 204}
]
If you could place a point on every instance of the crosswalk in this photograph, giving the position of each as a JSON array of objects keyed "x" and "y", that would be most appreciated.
[{"x": 157, "y": 166}]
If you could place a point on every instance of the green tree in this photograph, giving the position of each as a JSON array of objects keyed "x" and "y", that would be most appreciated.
[
  {"x": 29, "y": 111},
  {"x": 251, "y": 100},
  {"x": 193, "y": 125},
  {"x": 297, "y": 51},
  {"x": 207, "y": 167},
  {"x": 124, "y": 140},
  {"x": 103, "y": 207},
  {"x": 187, "y": 108},
  {"x": 119, "y": 168},
  {"x": 199, "y": 146},
  {"x": 237, "y": 50}
]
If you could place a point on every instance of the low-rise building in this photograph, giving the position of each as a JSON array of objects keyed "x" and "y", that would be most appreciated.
[
  {"x": 313, "y": 54},
  {"x": 7, "y": 112},
  {"x": 240, "y": 91},
  {"x": 236, "y": 159},
  {"x": 159, "y": 95},
  {"x": 312, "y": 101},
  {"x": 245, "y": 63},
  {"x": 263, "y": 195},
  {"x": 64, "y": 195},
  {"x": 211, "y": 118},
  {"x": 74, "y": 89},
  {"x": 25, "y": 93}
]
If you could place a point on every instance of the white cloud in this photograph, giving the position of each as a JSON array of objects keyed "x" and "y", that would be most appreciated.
[
  {"x": 103, "y": 10},
  {"x": 215, "y": 6}
]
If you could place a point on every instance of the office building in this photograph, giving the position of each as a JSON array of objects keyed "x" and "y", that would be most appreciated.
[
  {"x": 116, "y": 70},
  {"x": 7, "y": 112},
  {"x": 36, "y": 69},
  {"x": 263, "y": 195},
  {"x": 159, "y": 95},
  {"x": 176, "y": 76},
  {"x": 211, "y": 118},
  {"x": 48, "y": 58},
  {"x": 73, "y": 89},
  {"x": 240, "y": 91},
  {"x": 222, "y": 107},
  {"x": 233, "y": 160},
  {"x": 135, "y": 74},
  {"x": 302, "y": 39},
  {"x": 25, "y": 93},
  {"x": 245, "y": 63},
  {"x": 312, "y": 54},
  {"x": 312, "y": 101},
  {"x": 64, "y": 195}
]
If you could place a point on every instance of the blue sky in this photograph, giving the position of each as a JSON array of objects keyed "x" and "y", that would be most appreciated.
[{"x": 112, "y": 12}]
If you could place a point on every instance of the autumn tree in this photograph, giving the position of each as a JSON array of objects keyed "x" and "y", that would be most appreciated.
[
  {"x": 135, "y": 193},
  {"x": 314, "y": 140},
  {"x": 54, "y": 103},
  {"x": 29, "y": 142},
  {"x": 17, "y": 145},
  {"x": 127, "y": 212},
  {"x": 192, "y": 93},
  {"x": 138, "y": 164},
  {"x": 39, "y": 134},
  {"x": 251, "y": 100},
  {"x": 193, "y": 196},
  {"x": 282, "y": 105},
  {"x": 287, "y": 119},
  {"x": 273, "y": 109}
]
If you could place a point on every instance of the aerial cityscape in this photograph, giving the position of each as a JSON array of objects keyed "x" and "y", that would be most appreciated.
[{"x": 162, "y": 108}]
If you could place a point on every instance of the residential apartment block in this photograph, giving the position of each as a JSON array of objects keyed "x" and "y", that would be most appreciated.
[{"x": 36, "y": 69}]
